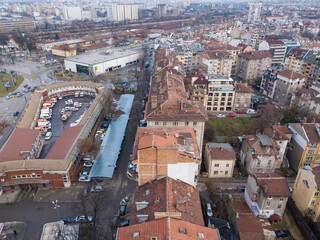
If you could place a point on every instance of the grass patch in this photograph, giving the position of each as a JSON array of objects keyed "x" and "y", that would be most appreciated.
[
  {"x": 234, "y": 126},
  {"x": 6, "y": 77}
]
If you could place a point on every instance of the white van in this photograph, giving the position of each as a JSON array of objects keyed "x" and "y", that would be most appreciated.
[
  {"x": 251, "y": 111},
  {"x": 46, "y": 116}
]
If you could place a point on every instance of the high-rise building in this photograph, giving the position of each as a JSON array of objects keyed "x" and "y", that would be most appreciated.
[
  {"x": 127, "y": 12},
  {"x": 162, "y": 10},
  {"x": 254, "y": 11}
]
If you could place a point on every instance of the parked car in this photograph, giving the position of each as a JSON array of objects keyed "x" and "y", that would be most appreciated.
[
  {"x": 85, "y": 191},
  {"x": 231, "y": 115},
  {"x": 221, "y": 115},
  {"x": 97, "y": 188},
  {"x": 83, "y": 219},
  {"x": 84, "y": 173},
  {"x": 124, "y": 224},
  {"x": 84, "y": 179},
  {"x": 105, "y": 125},
  {"x": 123, "y": 207},
  {"x": 9, "y": 96},
  {"x": 48, "y": 136},
  {"x": 282, "y": 233},
  {"x": 67, "y": 220},
  {"x": 209, "y": 210},
  {"x": 132, "y": 166},
  {"x": 85, "y": 159},
  {"x": 87, "y": 164},
  {"x": 15, "y": 114},
  {"x": 240, "y": 112},
  {"x": 251, "y": 111}
]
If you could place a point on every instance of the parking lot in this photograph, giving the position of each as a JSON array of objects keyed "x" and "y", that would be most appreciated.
[{"x": 57, "y": 125}]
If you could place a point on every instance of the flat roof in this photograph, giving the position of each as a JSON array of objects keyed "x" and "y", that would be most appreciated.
[
  {"x": 106, "y": 160},
  {"x": 20, "y": 140},
  {"x": 93, "y": 58},
  {"x": 65, "y": 142},
  {"x": 50, "y": 230}
]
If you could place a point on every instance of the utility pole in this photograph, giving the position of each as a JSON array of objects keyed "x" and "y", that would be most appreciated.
[{"x": 56, "y": 206}]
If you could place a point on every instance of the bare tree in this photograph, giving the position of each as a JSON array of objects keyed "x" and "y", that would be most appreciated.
[
  {"x": 107, "y": 103},
  {"x": 88, "y": 146},
  {"x": 4, "y": 124}
]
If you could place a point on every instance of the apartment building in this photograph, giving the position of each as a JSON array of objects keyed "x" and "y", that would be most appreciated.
[
  {"x": 311, "y": 67},
  {"x": 267, "y": 194},
  {"x": 254, "y": 12},
  {"x": 127, "y": 12},
  {"x": 251, "y": 65},
  {"x": 269, "y": 81},
  {"x": 199, "y": 87},
  {"x": 166, "y": 208},
  {"x": 306, "y": 192},
  {"x": 169, "y": 152},
  {"x": 17, "y": 24},
  {"x": 259, "y": 153},
  {"x": 188, "y": 55},
  {"x": 168, "y": 104},
  {"x": 233, "y": 51},
  {"x": 216, "y": 62},
  {"x": 219, "y": 160},
  {"x": 305, "y": 142},
  {"x": 243, "y": 96},
  {"x": 295, "y": 59},
  {"x": 278, "y": 50}
]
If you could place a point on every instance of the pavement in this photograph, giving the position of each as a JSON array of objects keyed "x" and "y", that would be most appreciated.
[
  {"x": 71, "y": 194},
  {"x": 9, "y": 197},
  {"x": 13, "y": 230}
]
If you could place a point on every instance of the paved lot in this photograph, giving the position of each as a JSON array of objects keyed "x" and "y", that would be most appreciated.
[
  {"x": 58, "y": 125},
  {"x": 13, "y": 230}
]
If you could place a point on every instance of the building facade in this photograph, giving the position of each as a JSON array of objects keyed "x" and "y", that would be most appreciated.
[
  {"x": 243, "y": 96},
  {"x": 216, "y": 62},
  {"x": 254, "y": 12}
]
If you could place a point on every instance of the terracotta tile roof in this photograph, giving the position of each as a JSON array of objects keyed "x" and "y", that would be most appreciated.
[
  {"x": 291, "y": 74},
  {"x": 96, "y": 46},
  {"x": 64, "y": 47},
  {"x": 215, "y": 54},
  {"x": 311, "y": 131},
  {"x": 20, "y": 140},
  {"x": 243, "y": 87},
  {"x": 201, "y": 80},
  {"x": 65, "y": 142},
  {"x": 167, "y": 228},
  {"x": 272, "y": 184},
  {"x": 256, "y": 55},
  {"x": 182, "y": 139},
  {"x": 268, "y": 148},
  {"x": 315, "y": 44},
  {"x": 298, "y": 53},
  {"x": 278, "y": 132},
  {"x": 221, "y": 151},
  {"x": 316, "y": 173},
  {"x": 168, "y": 195}
]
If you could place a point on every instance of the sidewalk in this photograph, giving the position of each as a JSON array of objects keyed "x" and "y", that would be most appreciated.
[
  {"x": 13, "y": 230},
  {"x": 71, "y": 194},
  {"x": 9, "y": 197}
]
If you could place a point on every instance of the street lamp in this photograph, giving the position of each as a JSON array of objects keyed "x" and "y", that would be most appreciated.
[{"x": 56, "y": 206}]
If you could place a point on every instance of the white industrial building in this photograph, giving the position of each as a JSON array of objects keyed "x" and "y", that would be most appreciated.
[{"x": 96, "y": 63}]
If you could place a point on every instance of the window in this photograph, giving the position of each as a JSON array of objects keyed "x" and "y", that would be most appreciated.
[
  {"x": 136, "y": 234},
  {"x": 156, "y": 123},
  {"x": 269, "y": 162},
  {"x": 194, "y": 123},
  {"x": 215, "y": 173},
  {"x": 318, "y": 159},
  {"x": 183, "y": 230},
  {"x": 313, "y": 202},
  {"x": 216, "y": 165},
  {"x": 281, "y": 199},
  {"x": 201, "y": 235},
  {"x": 226, "y": 172},
  {"x": 175, "y": 123},
  {"x": 268, "y": 203},
  {"x": 164, "y": 123},
  {"x": 311, "y": 152},
  {"x": 153, "y": 238},
  {"x": 186, "y": 123},
  {"x": 227, "y": 165},
  {"x": 313, "y": 145},
  {"x": 316, "y": 194},
  {"x": 308, "y": 159},
  {"x": 279, "y": 206}
]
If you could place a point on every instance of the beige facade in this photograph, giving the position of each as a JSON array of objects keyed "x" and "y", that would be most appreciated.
[
  {"x": 295, "y": 59},
  {"x": 216, "y": 62},
  {"x": 188, "y": 56},
  {"x": 243, "y": 95},
  {"x": 64, "y": 51},
  {"x": 306, "y": 193},
  {"x": 219, "y": 160}
]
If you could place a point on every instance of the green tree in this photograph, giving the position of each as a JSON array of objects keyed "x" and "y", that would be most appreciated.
[{"x": 4, "y": 38}]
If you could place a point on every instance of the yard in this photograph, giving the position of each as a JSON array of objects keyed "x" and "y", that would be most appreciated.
[
  {"x": 234, "y": 126},
  {"x": 6, "y": 77}
]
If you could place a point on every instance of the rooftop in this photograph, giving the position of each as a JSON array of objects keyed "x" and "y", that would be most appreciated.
[
  {"x": 221, "y": 151},
  {"x": 215, "y": 54},
  {"x": 20, "y": 140},
  {"x": 272, "y": 184},
  {"x": 309, "y": 131},
  {"x": 243, "y": 87},
  {"x": 291, "y": 74},
  {"x": 256, "y": 55},
  {"x": 298, "y": 53},
  {"x": 263, "y": 144}
]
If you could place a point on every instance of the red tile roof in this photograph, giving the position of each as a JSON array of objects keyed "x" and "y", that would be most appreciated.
[
  {"x": 316, "y": 173},
  {"x": 168, "y": 195},
  {"x": 291, "y": 74},
  {"x": 254, "y": 142},
  {"x": 315, "y": 44},
  {"x": 167, "y": 228},
  {"x": 215, "y": 54},
  {"x": 256, "y": 55},
  {"x": 272, "y": 184},
  {"x": 64, "y": 47},
  {"x": 243, "y": 87},
  {"x": 221, "y": 153},
  {"x": 278, "y": 132},
  {"x": 298, "y": 52},
  {"x": 65, "y": 142},
  {"x": 20, "y": 140}
]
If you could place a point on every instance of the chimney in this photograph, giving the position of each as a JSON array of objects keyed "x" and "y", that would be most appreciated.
[
  {"x": 154, "y": 102},
  {"x": 181, "y": 205},
  {"x": 181, "y": 104},
  {"x": 313, "y": 120},
  {"x": 304, "y": 120},
  {"x": 221, "y": 148},
  {"x": 141, "y": 205}
]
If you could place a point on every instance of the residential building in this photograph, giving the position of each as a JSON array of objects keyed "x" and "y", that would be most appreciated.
[
  {"x": 165, "y": 151},
  {"x": 188, "y": 55},
  {"x": 295, "y": 59},
  {"x": 254, "y": 12},
  {"x": 162, "y": 10},
  {"x": 243, "y": 95},
  {"x": 316, "y": 46},
  {"x": 219, "y": 160},
  {"x": 269, "y": 81},
  {"x": 216, "y": 62},
  {"x": 200, "y": 87},
  {"x": 267, "y": 194},
  {"x": 166, "y": 208},
  {"x": 168, "y": 104},
  {"x": 233, "y": 51},
  {"x": 64, "y": 51},
  {"x": 17, "y": 24},
  {"x": 278, "y": 50},
  {"x": 305, "y": 142},
  {"x": 127, "y": 12},
  {"x": 251, "y": 65},
  {"x": 306, "y": 192},
  {"x": 311, "y": 67},
  {"x": 259, "y": 153}
]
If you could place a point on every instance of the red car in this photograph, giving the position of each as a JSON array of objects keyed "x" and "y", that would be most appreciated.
[
  {"x": 240, "y": 112},
  {"x": 231, "y": 115}
]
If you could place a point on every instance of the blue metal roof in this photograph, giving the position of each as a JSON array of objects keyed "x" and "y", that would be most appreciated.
[{"x": 106, "y": 160}]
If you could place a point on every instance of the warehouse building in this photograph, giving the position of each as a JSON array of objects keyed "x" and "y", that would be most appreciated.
[{"x": 95, "y": 63}]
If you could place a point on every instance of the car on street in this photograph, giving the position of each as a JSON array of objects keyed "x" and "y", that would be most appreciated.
[
  {"x": 132, "y": 166},
  {"x": 84, "y": 173},
  {"x": 251, "y": 111},
  {"x": 105, "y": 125},
  {"x": 209, "y": 210},
  {"x": 231, "y": 115},
  {"x": 48, "y": 136},
  {"x": 84, "y": 179},
  {"x": 123, "y": 207},
  {"x": 282, "y": 233},
  {"x": 124, "y": 224},
  {"x": 87, "y": 164},
  {"x": 9, "y": 96},
  {"x": 240, "y": 112},
  {"x": 67, "y": 220},
  {"x": 15, "y": 114},
  {"x": 220, "y": 115},
  {"x": 83, "y": 219},
  {"x": 85, "y": 191},
  {"x": 97, "y": 188},
  {"x": 19, "y": 94}
]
